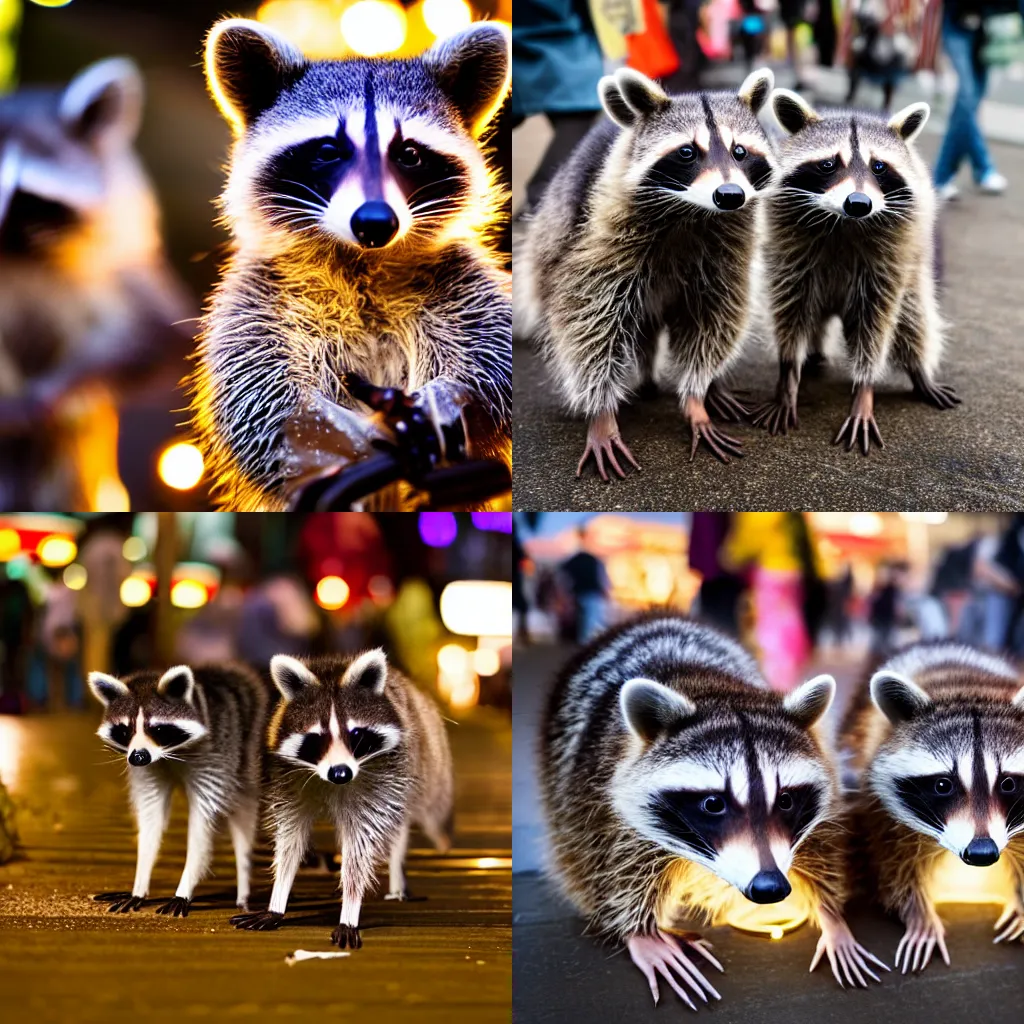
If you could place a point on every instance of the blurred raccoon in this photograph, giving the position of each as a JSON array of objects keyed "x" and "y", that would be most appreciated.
[
  {"x": 938, "y": 739},
  {"x": 850, "y": 229},
  {"x": 675, "y": 783},
  {"x": 363, "y": 213},
  {"x": 640, "y": 262},
  {"x": 352, "y": 741},
  {"x": 199, "y": 729},
  {"x": 87, "y": 299}
]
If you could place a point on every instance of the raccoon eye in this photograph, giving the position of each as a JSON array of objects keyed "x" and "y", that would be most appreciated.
[
  {"x": 713, "y": 805},
  {"x": 363, "y": 742},
  {"x": 167, "y": 735},
  {"x": 328, "y": 151},
  {"x": 784, "y": 802},
  {"x": 826, "y": 166},
  {"x": 1008, "y": 785},
  {"x": 878, "y": 167},
  {"x": 687, "y": 154},
  {"x": 121, "y": 735},
  {"x": 739, "y": 152},
  {"x": 943, "y": 786},
  {"x": 409, "y": 156}
]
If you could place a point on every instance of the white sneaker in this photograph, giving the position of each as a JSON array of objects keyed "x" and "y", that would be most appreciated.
[
  {"x": 993, "y": 184},
  {"x": 948, "y": 192}
]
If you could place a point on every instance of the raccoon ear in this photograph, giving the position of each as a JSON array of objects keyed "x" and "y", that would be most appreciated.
[
  {"x": 474, "y": 69},
  {"x": 247, "y": 67},
  {"x": 290, "y": 676},
  {"x": 898, "y": 698},
  {"x": 650, "y": 708},
  {"x": 369, "y": 670},
  {"x": 792, "y": 111},
  {"x": 756, "y": 87},
  {"x": 177, "y": 683},
  {"x": 106, "y": 688},
  {"x": 614, "y": 105},
  {"x": 807, "y": 703},
  {"x": 102, "y": 104},
  {"x": 640, "y": 92},
  {"x": 909, "y": 122}
]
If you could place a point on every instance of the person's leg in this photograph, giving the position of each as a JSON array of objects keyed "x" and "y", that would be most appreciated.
[
  {"x": 958, "y": 44},
  {"x": 569, "y": 129},
  {"x": 981, "y": 159}
]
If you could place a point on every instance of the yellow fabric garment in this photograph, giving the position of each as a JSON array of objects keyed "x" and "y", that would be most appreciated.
[{"x": 763, "y": 539}]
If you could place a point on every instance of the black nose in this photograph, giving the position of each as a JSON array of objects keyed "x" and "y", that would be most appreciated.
[
  {"x": 768, "y": 887},
  {"x": 339, "y": 774},
  {"x": 139, "y": 758},
  {"x": 729, "y": 196},
  {"x": 857, "y": 204},
  {"x": 980, "y": 853},
  {"x": 374, "y": 224}
]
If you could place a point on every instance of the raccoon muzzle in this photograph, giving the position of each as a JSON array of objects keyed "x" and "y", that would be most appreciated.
[{"x": 768, "y": 887}]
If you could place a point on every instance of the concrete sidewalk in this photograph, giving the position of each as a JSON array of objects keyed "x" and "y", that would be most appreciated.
[{"x": 970, "y": 459}]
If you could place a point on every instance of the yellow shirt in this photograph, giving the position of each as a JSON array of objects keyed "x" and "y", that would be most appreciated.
[{"x": 764, "y": 539}]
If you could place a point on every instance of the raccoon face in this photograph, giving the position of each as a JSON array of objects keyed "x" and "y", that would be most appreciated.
[
  {"x": 736, "y": 792},
  {"x": 63, "y": 155},
  {"x": 951, "y": 772},
  {"x": 147, "y": 717},
  {"x": 365, "y": 153},
  {"x": 852, "y": 166},
  {"x": 333, "y": 725},
  {"x": 706, "y": 151}
]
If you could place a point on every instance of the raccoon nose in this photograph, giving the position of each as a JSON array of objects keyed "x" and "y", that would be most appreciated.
[
  {"x": 857, "y": 204},
  {"x": 139, "y": 758},
  {"x": 768, "y": 887},
  {"x": 729, "y": 196},
  {"x": 339, "y": 774},
  {"x": 374, "y": 224},
  {"x": 980, "y": 852}
]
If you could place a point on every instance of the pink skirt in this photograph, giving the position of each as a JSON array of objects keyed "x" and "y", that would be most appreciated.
[{"x": 779, "y": 627}]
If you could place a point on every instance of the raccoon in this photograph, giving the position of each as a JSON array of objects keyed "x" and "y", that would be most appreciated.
[
  {"x": 364, "y": 217},
  {"x": 675, "y": 781},
  {"x": 639, "y": 264},
  {"x": 938, "y": 739},
  {"x": 87, "y": 297},
  {"x": 352, "y": 741},
  {"x": 850, "y": 229},
  {"x": 199, "y": 729}
]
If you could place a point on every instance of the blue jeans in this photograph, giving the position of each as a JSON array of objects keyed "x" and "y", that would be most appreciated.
[{"x": 963, "y": 135}]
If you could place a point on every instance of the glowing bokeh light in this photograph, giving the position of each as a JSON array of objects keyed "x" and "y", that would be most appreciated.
[
  {"x": 446, "y": 17},
  {"x": 928, "y": 518},
  {"x": 332, "y": 592},
  {"x": 373, "y": 27},
  {"x": 477, "y": 607},
  {"x": 486, "y": 661},
  {"x": 134, "y": 549},
  {"x": 50, "y": 3},
  {"x": 438, "y": 529},
  {"x": 135, "y": 592},
  {"x": 188, "y": 594},
  {"x": 75, "y": 577},
  {"x": 500, "y": 522},
  {"x": 10, "y": 543},
  {"x": 312, "y": 25},
  {"x": 866, "y": 524},
  {"x": 181, "y": 466},
  {"x": 55, "y": 550}
]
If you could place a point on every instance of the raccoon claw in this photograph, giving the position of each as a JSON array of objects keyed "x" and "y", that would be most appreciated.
[
  {"x": 942, "y": 396},
  {"x": 602, "y": 439},
  {"x": 120, "y": 902},
  {"x": 259, "y": 921},
  {"x": 725, "y": 404},
  {"x": 844, "y": 952},
  {"x": 662, "y": 954},
  {"x": 861, "y": 420},
  {"x": 1013, "y": 918},
  {"x": 776, "y": 417},
  {"x": 721, "y": 444},
  {"x": 178, "y": 906},
  {"x": 347, "y": 936},
  {"x": 920, "y": 939}
]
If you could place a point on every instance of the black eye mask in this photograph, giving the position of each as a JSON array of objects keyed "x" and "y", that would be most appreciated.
[
  {"x": 167, "y": 735},
  {"x": 363, "y": 742}
]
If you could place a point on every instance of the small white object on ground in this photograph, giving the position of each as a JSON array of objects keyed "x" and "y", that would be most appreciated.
[{"x": 307, "y": 954}]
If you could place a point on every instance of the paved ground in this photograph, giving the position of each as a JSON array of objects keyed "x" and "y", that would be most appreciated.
[
  {"x": 966, "y": 460},
  {"x": 63, "y": 958},
  {"x": 561, "y": 977}
]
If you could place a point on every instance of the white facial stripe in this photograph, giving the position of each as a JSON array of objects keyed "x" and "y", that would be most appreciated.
[
  {"x": 991, "y": 769},
  {"x": 190, "y": 725},
  {"x": 389, "y": 733},
  {"x": 1014, "y": 763},
  {"x": 911, "y": 761},
  {"x": 752, "y": 142},
  {"x": 702, "y": 136},
  {"x": 105, "y": 729},
  {"x": 769, "y": 778},
  {"x": 726, "y": 135},
  {"x": 395, "y": 198},
  {"x": 686, "y": 775},
  {"x": 865, "y": 153},
  {"x": 997, "y": 831},
  {"x": 333, "y": 725},
  {"x": 337, "y": 753},
  {"x": 846, "y": 152},
  {"x": 740, "y": 782},
  {"x": 959, "y": 831},
  {"x": 289, "y": 746},
  {"x": 800, "y": 773},
  {"x": 737, "y": 862},
  {"x": 782, "y": 853},
  {"x": 965, "y": 769}
]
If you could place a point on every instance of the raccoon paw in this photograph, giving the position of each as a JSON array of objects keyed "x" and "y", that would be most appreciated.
[
  {"x": 725, "y": 404},
  {"x": 259, "y": 921},
  {"x": 1013, "y": 918},
  {"x": 346, "y": 936},
  {"x": 177, "y": 905},
  {"x": 662, "y": 954},
  {"x": 861, "y": 421},
  {"x": 120, "y": 902},
  {"x": 843, "y": 951},
  {"x": 941, "y": 396},
  {"x": 920, "y": 939},
  {"x": 776, "y": 417},
  {"x": 602, "y": 439}
]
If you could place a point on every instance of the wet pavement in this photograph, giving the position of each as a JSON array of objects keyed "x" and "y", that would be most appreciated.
[
  {"x": 444, "y": 956},
  {"x": 564, "y": 977}
]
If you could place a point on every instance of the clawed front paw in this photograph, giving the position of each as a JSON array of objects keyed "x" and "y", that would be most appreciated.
[
  {"x": 178, "y": 906},
  {"x": 120, "y": 902},
  {"x": 260, "y": 921},
  {"x": 776, "y": 417},
  {"x": 1013, "y": 919},
  {"x": 919, "y": 941},
  {"x": 346, "y": 936},
  {"x": 662, "y": 953},
  {"x": 846, "y": 954}
]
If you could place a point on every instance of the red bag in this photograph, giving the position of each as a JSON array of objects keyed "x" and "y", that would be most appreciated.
[{"x": 651, "y": 51}]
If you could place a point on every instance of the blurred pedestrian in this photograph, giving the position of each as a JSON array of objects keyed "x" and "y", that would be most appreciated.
[
  {"x": 520, "y": 604},
  {"x": 999, "y": 576},
  {"x": 794, "y": 14},
  {"x": 556, "y": 65},
  {"x": 587, "y": 581},
  {"x": 886, "y": 611},
  {"x": 720, "y": 588},
  {"x": 962, "y": 38}
]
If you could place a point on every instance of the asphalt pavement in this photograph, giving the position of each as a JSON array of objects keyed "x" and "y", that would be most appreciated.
[{"x": 441, "y": 957}]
